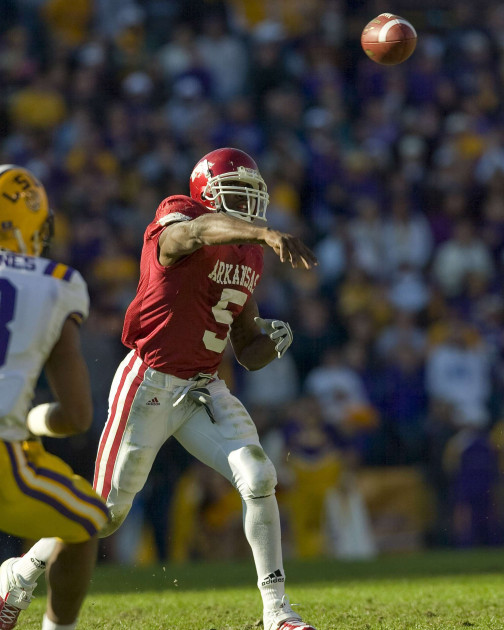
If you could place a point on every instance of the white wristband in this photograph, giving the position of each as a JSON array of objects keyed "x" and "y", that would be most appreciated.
[{"x": 37, "y": 420}]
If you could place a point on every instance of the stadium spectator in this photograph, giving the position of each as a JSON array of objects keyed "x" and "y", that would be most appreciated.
[
  {"x": 224, "y": 55},
  {"x": 402, "y": 331},
  {"x": 313, "y": 464},
  {"x": 471, "y": 467},
  {"x": 314, "y": 333},
  {"x": 403, "y": 405},
  {"x": 276, "y": 385},
  {"x": 39, "y": 106},
  {"x": 366, "y": 237},
  {"x": 462, "y": 254},
  {"x": 341, "y": 393},
  {"x": 458, "y": 373},
  {"x": 407, "y": 239}
]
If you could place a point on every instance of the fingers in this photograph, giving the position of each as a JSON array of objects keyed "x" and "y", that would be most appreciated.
[
  {"x": 282, "y": 345},
  {"x": 283, "y": 333},
  {"x": 284, "y": 252},
  {"x": 307, "y": 257},
  {"x": 291, "y": 249},
  {"x": 297, "y": 253},
  {"x": 279, "y": 332},
  {"x": 309, "y": 261},
  {"x": 260, "y": 322},
  {"x": 265, "y": 324}
]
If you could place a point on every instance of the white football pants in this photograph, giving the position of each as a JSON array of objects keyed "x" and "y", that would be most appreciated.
[{"x": 142, "y": 417}]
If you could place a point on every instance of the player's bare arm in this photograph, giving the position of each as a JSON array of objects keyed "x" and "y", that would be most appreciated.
[
  {"x": 252, "y": 348},
  {"x": 68, "y": 378},
  {"x": 186, "y": 237}
]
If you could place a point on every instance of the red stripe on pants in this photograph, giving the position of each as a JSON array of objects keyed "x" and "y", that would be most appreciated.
[{"x": 110, "y": 463}]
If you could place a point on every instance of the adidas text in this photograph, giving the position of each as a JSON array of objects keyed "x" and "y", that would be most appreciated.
[
  {"x": 272, "y": 581},
  {"x": 273, "y": 578},
  {"x": 153, "y": 401},
  {"x": 40, "y": 564}
]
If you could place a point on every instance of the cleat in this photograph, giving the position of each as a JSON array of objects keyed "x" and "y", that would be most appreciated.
[
  {"x": 284, "y": 618},
  {"x": 295, "y": 624},
  {"x": 13, "y": 596}
]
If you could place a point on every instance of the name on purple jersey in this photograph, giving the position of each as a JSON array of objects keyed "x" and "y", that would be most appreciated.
[
  {"x": 17, "y": 261},
  {"x": 229, "y": 273}
]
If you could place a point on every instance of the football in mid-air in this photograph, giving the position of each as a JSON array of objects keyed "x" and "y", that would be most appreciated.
[{"x": 388, "y": 39}]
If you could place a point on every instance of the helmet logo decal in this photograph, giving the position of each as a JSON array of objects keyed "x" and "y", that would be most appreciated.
[
  {"x": 202, "y": 168},
  {"x": 32, "y": 198},
  {"x": 31, "y": 195}
]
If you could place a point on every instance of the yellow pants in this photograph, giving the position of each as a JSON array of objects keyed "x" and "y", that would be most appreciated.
[
  {"x": 305, "y": 502},
  {"x": 40, "y": 496}
]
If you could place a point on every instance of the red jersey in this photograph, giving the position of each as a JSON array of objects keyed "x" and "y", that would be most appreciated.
[{"x": 180, "y": 317}]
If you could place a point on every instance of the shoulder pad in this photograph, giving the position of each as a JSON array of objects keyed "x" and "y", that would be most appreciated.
[
  {"x": 58, "y": 270},
  {"x": 74, "y": 296},
  {"x": 179, "y": 208}
]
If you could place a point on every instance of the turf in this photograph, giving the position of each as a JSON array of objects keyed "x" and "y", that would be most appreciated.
[{"x": 434, "y": 590}]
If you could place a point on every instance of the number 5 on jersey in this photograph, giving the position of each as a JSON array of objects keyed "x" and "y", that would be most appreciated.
[{"x": 223, "y": 316}]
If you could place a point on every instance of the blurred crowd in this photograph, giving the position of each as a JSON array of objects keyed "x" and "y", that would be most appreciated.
[{"x": 394, "y": 175}]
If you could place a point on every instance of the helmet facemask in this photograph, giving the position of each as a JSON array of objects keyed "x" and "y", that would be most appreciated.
[
  {"x": 46, "y": 234},
  {"x": 245, "y": 184}
]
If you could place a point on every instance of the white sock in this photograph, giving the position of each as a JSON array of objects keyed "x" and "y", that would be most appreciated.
[
  {"x": 47, "y": 624},
  {"x": 261, "y": 522},
  {"x": 31, "y": 566}
]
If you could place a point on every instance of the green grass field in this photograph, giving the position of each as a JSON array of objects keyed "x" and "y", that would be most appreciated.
[{"x": 445, "y": 590}]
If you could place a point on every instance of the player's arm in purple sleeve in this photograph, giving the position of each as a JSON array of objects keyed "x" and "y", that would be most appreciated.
[
  {"x": 252, "y": 348},
  {"x": 217, "y": 228}
]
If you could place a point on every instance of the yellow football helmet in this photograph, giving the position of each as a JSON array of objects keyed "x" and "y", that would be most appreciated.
[{"x": 26, "y": 222}]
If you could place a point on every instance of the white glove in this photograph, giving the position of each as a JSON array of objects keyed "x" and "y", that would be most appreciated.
[{"x": 278, "y": 331}]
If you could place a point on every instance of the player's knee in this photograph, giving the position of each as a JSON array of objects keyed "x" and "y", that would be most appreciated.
[
  {"x": 117, "y": 516},
  {"x": 256, "y": 473}
]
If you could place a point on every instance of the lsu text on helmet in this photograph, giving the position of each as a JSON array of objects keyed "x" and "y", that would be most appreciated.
[
  {"x": 26, "y": 222},
  {"x": 228, "y": 180}
]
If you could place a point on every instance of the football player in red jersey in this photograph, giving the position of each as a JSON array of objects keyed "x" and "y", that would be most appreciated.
[{"x": 201, "y": 260}]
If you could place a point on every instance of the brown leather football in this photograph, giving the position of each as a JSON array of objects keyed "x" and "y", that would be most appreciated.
[{"x": 388, "y": 39}]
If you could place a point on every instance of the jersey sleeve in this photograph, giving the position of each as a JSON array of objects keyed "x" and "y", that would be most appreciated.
[
  {"x": 172, "y": 210},
  {"x": 74, "y": 299}
]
